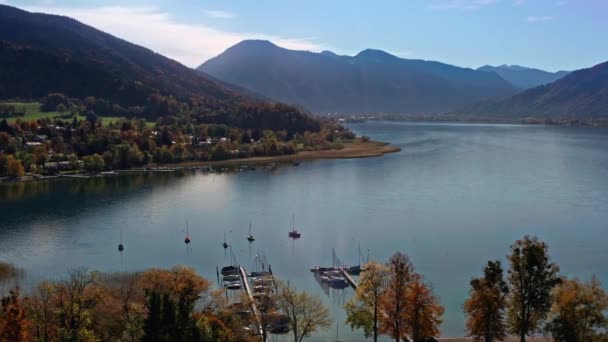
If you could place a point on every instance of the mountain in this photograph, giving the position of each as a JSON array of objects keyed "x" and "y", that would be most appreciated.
[
  {"x": 373, "y": 81},
  {"x": 42, "y": 54},
  {"x": 523, "y": 77},
  {"x": 582, "y": 94}
]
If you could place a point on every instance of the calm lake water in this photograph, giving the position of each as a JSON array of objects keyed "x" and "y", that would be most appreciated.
[{"x": 454, "y": 197}]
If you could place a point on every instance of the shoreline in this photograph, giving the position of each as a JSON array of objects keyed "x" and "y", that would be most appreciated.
[{"x": 351, "y": 150}]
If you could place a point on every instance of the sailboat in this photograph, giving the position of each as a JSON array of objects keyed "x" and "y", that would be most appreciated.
[
  {"x": 225, "y": 244},
  {"x": 294, "y": 234},
  {"x": 356, "y": 270},
  {"x": 250, "y": 237},
  {"x": 121, "y": 247},
  {"x": 187, "y": 239}
]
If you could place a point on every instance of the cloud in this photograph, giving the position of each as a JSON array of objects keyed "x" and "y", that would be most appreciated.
[
  {"x": 534, "y": 19},
  {"x": 461, "y": 4},
  {"x": 519, "y": 2},
  {"x": 190, "y": 44},
  {"x": 219, "y": 14},
  {"x": 562, "y": 3}
]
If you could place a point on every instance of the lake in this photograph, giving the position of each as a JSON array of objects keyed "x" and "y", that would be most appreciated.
[{"x": 456, "y": 196}]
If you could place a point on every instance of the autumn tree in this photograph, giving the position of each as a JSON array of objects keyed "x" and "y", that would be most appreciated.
[
  {"x": 579, "y": 312},
  {"x": 14, "y": 167},
  {"x": 42, "y": 311},
  {"x": 75, "y": 302},
  {"x": 40, "y": 155},
  {"x": 486, "y": 305},
  {"x": 394, "y": 302},
  {"x": 532, "y": 277},
  {"x": 171, "y": 296},
  {"x": 120, "y": 312},
  {"x": 306, "y": 313},
  {"x": 362, "y": 311},
  {"x": 423, "y": 311},
  {"x": 13, "y": 323}
]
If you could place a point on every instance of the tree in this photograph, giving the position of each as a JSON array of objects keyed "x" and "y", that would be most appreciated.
[
  {"x": 61, "y": 108},
  {"x": 75, "y": 302},
  {"x": 41, "y": 309},
  {"x": 40, "y": 155},
  {"x": 15, "y": 325},
  {"x": 423, "y": 311},
  {"x": 14, "y": 167},
  {"x": 93, "y": 163},
  {"x": 486, "y": 305},
  {"x": 362, "y": 311},
  {"x": 74, "y": 162},
  {"x": 578, "y": 312},
  {"x": 394, "y": 302},
  {"x": 306, "y": 313},
  {"x": 171, "y": 295},
  {"x": 532, "y": 277}
]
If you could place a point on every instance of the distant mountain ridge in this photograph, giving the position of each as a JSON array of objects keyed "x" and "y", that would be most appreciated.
[
  {"x": 524, "y": 77},
  {"x": 582, "y": 94},
  {"x": 373, "y": 81},
  {"x": 42, "y": 54}
]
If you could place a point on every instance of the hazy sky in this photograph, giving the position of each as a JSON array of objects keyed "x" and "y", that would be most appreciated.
[{"x": 547, "y": 34}]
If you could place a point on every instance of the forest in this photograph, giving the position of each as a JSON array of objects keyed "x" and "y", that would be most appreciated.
[{"x": 77, "y": 139}]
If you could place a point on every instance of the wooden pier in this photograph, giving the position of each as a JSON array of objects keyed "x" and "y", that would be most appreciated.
[
  {"x": 254, "y": 307},
  {"x": 348, "y": 278}
]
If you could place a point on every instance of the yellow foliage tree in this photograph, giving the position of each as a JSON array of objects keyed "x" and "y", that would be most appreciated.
[{"x": 14, "y": 167}]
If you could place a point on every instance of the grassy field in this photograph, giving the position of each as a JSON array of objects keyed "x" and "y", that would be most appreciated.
[{"x": 32, "y": 112}]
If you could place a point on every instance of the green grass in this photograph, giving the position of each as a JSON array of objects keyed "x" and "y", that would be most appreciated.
[{"x": 33, "y": 112}]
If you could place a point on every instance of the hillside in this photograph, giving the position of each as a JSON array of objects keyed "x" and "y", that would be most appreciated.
[
  {"x": 523, "y": 77},
  {"x": 582, "y": 94},
  {"x": 43, "y": 54},
  {"x": 373, "y": 81}
]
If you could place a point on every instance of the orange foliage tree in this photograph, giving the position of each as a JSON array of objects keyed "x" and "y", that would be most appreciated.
[
  {"x": 486, "y": 305},
  {"x": 394, "y": 301},
  {"x": 13, "y": 325},
  {"x": 423, "y": 311}
]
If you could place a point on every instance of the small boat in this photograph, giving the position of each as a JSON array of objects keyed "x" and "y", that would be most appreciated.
[
  {"x": 354, "y": 270},
  {"x": 259, "y": 274},
  {"x": 294, "y": 234},
  {"x": 337, "y": 283},
  {"x": 225, "y": 244},
  {"x": 279, "y": 325},
  {"x": 233, "y": 285},
  {"x": 231, "y": 277},
  {"x": 229, "y": 270},
  {"x": 250, "y": 237}
]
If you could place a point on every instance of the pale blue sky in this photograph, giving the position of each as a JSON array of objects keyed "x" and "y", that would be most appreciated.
[{"x": 547, "y": 34}]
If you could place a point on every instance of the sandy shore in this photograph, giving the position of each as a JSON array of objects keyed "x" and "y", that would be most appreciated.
[{"x": 357, "y": 149}]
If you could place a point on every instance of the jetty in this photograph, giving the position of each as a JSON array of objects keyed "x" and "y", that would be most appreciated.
[
  {"x": 254, "y": 307},
  {"x": 348, "y": 278}
]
